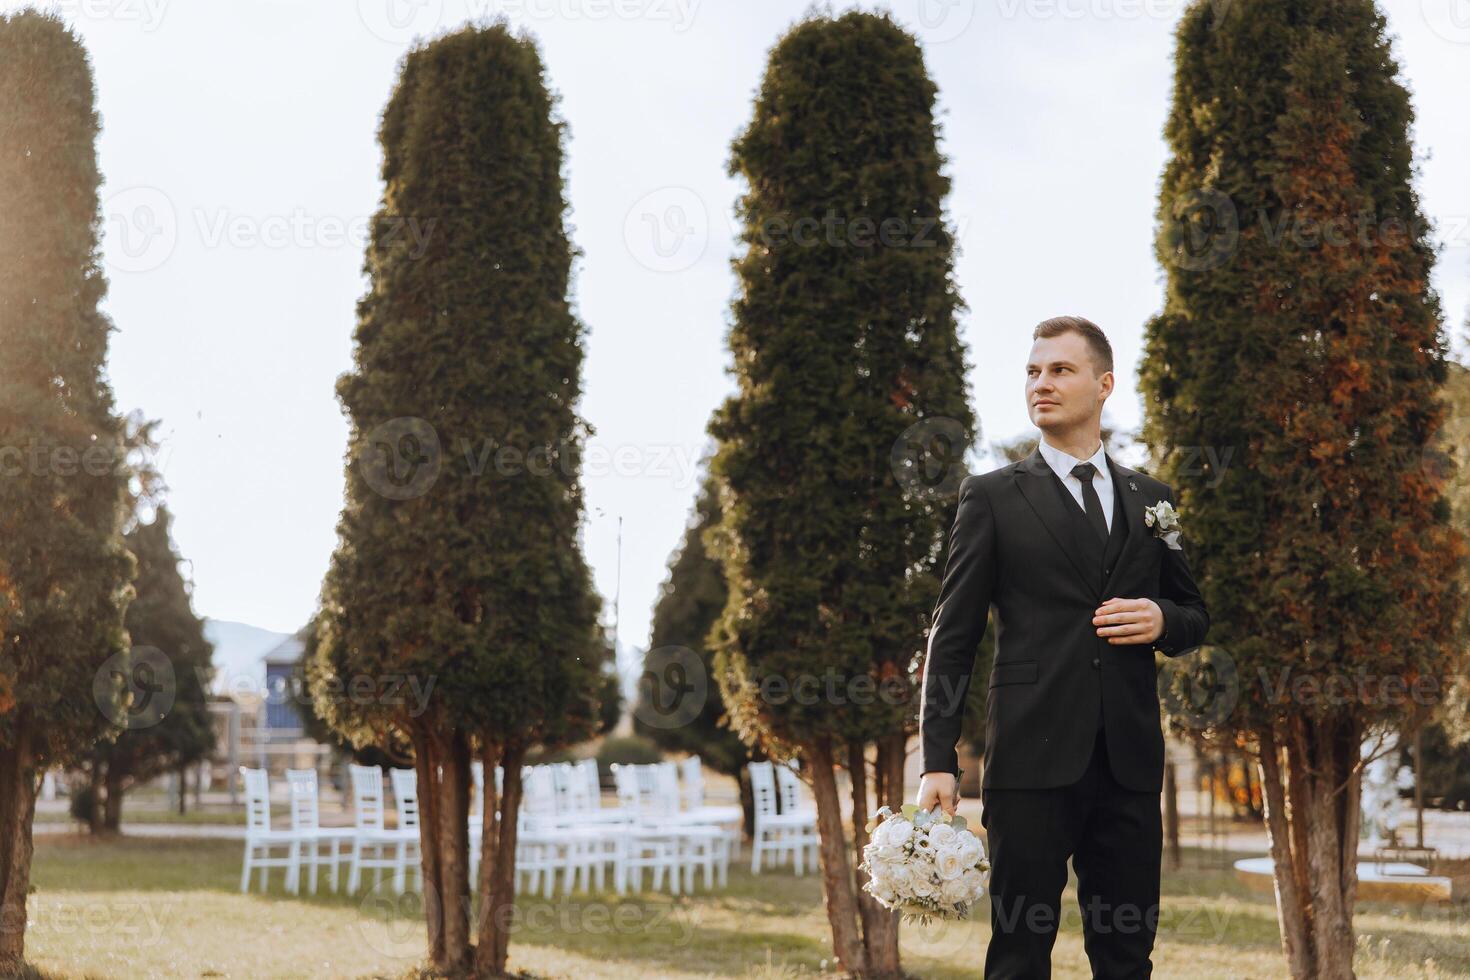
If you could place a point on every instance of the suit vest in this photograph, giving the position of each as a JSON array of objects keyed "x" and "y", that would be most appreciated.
[
  {"x": 1100, "y": 557},
  {"x": 1094, "y": 552}
]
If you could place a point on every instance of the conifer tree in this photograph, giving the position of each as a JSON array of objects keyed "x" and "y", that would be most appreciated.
[
  {"x": 459, "y": 565},
  {"x": 1293, "y": 383},
  {"x": 162, "y": 629},
  {"x": 850, "y": 374},
  {"x": 680, "y": 705},
  {"x": 64, "y": 569}
]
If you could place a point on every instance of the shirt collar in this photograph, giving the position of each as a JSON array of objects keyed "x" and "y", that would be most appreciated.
[{"x": 1061, "y": 463}]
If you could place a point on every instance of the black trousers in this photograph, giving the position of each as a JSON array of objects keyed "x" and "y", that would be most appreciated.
[{"x": 1114, "y": 837}]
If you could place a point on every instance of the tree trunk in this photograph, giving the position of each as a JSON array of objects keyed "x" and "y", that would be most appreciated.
[
  {"x": 426, "y": 768},
  {"x": 1333, "y": 837},
  {"x": 1252, "y": 785},
  {"x": 454, "y": 848},
  {"x": 18, "y": 783},
  {"x": 1312, "y": 821},
  {"x": 497, "y": 859},
  {"x": 1418, "y": 785},
  {"x": 1171, "y": 813},
  {"x": 880, "y": 925},
  {"x": 112, "y": 809},
  {"x": 1291, "y": 912},
  {"x": 183, "y": 790},
  {"x": 747, "y": 802},
  {"x": 842, "y": 911},
  {"x": 94, "y": 787}
]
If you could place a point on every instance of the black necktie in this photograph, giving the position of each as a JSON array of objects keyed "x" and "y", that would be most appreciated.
[{"x": 1090, "y": 501}]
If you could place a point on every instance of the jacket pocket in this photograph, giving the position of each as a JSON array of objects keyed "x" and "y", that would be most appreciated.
[{"x": 1014, "y": 672}]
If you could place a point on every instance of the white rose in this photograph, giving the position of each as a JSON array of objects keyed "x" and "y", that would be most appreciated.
[
  {"x": 922, "y": 887},
  {"x": 941, "y": 834},
  {"x": 970, "y": 853},
  {"x": 954, "y": 891},
  {"x": 948, "y": 863},
  {"x": 886, "y": 876},
  {"x": 897, "y": 831},
  {"x": 890, "y": 853},
  {"x": 974, "y": 881},
  {"x": 899, "y": 877}
]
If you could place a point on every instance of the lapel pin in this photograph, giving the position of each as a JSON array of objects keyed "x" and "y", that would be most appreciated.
[{"x": 1132, "y": 485}]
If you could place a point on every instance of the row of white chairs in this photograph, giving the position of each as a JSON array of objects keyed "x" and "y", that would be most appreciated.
[
  {"x": 656, "y": 826},
  {"x": 366, "y": 845},
  {"x": 564, "y": 837}
]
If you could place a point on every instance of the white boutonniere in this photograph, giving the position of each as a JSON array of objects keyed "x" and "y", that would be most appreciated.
[{"x": 1164, "y": 520}]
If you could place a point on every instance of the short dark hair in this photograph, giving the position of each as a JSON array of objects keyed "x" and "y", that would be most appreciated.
[{"x": 1097, "y": 341}]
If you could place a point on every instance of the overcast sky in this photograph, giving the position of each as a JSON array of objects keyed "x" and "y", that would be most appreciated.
[{"x": 241, "y": 164}]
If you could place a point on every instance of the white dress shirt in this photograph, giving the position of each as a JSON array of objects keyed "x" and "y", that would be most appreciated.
[{"x": 1102, "y": 481}]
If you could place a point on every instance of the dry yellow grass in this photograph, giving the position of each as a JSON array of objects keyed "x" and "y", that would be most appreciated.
[{"x": 159, "y": 908}]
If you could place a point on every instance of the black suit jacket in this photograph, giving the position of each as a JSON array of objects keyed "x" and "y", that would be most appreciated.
[{"x": 1012, "y": 547}]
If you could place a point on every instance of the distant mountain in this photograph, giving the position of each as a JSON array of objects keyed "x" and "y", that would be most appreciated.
[{"x": 238, "y": 652}]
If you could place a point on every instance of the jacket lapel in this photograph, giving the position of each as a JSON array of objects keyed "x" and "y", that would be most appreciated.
[
  {"x": 1125, "y": 482},
  {"x": 1033, "y": 472}
]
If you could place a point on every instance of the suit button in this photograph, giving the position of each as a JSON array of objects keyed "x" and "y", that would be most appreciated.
[{"x": 1096, "y": 662}]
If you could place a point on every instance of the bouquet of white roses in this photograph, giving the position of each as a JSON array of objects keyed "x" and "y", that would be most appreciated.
[{"x": 926, "y": 865}]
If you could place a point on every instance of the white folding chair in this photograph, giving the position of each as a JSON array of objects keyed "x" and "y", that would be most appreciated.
[
  {"x": 702, "y": 845},
  {"x": 373, "y": 844},
  {"x": 554, "y": 842},
  {"x": 642, "y": 846},
  {"x": 663, "y": 834},
  {"x": 306, "y": 823},
  {"x": 801, "y": 836},
  {"x": 781, "y": 834},
  {"x": 261, "y": 842},
  {"x": 406, "y": 796},
  {"x": 732, "y": 818}
]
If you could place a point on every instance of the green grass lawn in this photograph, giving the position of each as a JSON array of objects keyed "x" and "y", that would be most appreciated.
[{"x": 161, "y": 908}]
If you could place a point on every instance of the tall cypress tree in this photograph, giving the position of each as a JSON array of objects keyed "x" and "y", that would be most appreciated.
[
  {"x": 689, "y": 604},
  {"x": 160, "y": 618},
  {"x": 63, "y": 498},
  {"x": 1300, "y": 334},
  {"x": 459, "y": 561},
  {"x": 844, "y": 340},
  {"x": 1450, "y": 457}
]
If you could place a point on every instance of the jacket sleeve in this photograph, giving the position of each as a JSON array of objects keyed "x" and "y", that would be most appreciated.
[
  {"x": 958, "y": 624},
  {"x": 1185, "y": 618}
]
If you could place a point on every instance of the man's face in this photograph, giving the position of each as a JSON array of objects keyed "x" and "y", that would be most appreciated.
[{"x": 1061, "y": 390}]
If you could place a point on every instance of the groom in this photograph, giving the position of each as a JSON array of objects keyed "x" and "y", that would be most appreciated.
[{"x": 1083, "y": 592}]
